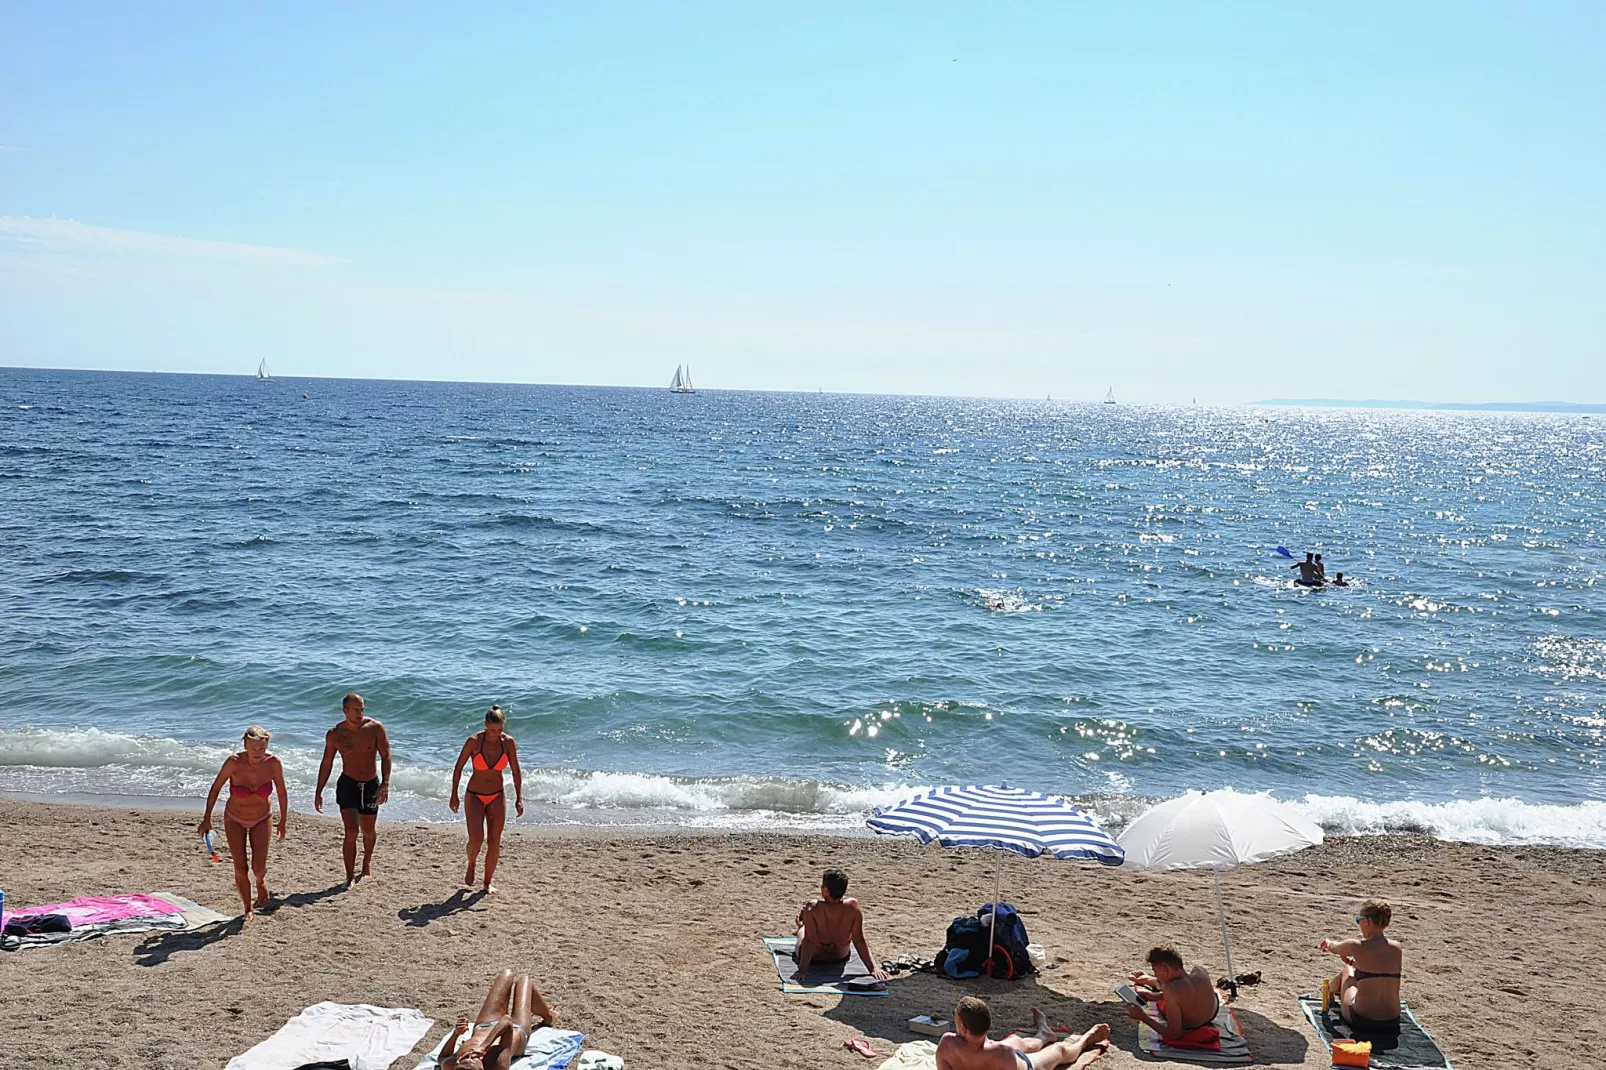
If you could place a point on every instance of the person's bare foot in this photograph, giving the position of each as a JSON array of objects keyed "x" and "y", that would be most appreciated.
[
  {"x": 1097, "y": 1035},
  {"x": 365, "y": 871},
  {"x": 1041, "y": 1027},
  {"x": 263, "y": 897},
  {"x": 468, "y": 877},
  {"x": 249, "y": 915},
  {"x": 490, "y": 889}
]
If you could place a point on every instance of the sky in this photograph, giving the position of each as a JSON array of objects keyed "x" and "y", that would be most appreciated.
[{"x": 1174, "y": 200}]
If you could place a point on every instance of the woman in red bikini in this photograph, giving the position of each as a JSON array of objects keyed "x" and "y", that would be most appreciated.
[
  {"x": 252, "y": 775},
  {"x": 490, "y": 751}
]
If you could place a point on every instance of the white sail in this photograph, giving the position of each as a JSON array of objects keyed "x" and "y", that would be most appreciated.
[
  {"x": 681, "y": 383},
  {"x": 1109, "y": 398},
  {"x": 262, "y": 370}
]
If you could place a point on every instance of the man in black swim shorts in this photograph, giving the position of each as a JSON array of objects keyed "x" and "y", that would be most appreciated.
[{"x": 362, "y": 744}]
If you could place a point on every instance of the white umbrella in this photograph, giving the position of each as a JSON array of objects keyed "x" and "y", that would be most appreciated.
[{"x": 1215, "y": 830}]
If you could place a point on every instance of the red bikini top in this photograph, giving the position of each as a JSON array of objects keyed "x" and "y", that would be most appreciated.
[{"x": 261, "y": 790}]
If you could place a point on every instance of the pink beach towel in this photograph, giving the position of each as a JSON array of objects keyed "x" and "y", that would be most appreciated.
[{"x": 94, "y": 909}]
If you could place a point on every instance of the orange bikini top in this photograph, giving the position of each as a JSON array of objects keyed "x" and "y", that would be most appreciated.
[{"x": 479, "y": 759}]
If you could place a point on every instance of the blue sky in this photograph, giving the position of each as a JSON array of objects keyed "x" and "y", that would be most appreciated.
[{"x": 1225, "y": 202}]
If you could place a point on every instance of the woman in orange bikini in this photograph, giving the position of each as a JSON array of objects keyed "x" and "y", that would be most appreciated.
[
  {"x": 252, "y": 775},
  {"x": 490, "y": 751}
]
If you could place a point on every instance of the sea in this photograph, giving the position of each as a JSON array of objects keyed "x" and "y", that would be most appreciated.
[{"x": 780, "y": 610}]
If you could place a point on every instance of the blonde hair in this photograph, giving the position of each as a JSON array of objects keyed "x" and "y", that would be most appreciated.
[
  {"x": 1377, "y": 912},
  {"x": 256, "y": 731},
  {"x": 496, "y": 715}
]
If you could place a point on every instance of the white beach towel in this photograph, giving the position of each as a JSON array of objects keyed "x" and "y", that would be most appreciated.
[{"x": 370, "y": 1038}]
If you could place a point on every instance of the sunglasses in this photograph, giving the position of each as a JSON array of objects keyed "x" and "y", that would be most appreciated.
[{"x": 1359, "y": 918}]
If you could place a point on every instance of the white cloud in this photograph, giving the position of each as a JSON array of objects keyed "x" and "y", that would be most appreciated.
[{"x": 67, "y": 236}]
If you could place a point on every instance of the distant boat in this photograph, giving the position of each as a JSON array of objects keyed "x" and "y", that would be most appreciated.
[
  {"x": 1109, "y": 399},
  {"x": 262, "y": 372},
  {"x": 681, "y": 383}
]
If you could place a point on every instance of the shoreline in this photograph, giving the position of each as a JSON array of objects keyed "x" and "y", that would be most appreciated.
[
  {"x": 1486, "y": 821},
  {"x": 645, "y": 938}
]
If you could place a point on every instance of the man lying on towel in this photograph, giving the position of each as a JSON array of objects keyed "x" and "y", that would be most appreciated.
[
  {"x": 828, "y": 926},
  {"x": 1187, "y": 998},
  {"x": 969, "y": 1048}
]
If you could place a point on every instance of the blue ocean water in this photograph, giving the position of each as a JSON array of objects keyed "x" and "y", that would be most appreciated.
[{"x": 781, "y": 609}]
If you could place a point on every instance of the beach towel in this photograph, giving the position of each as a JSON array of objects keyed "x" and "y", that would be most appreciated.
[
  {"x": 370, "y": 1038},
  {"x": 599, "y": 1060},
  {"x": 922, "y": 1055},
  {"x": 95, "y": 909},
  {"x": 548, "y": 1049},
  {"x": 1233, "y": 1049},
  {"x": 851, "y": 977},
  {"x": 96, "y": 916},
  {"x": 1410, "y": 1049},
  {"x": 195, "y": 915}
]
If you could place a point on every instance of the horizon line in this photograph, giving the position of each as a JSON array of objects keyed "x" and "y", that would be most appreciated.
[{"x": 1368, "y": 403}]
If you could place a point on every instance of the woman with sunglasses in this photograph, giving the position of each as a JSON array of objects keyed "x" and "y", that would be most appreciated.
[
  {"x": 491, "y": 750},
  {"x": 1367, "y": 988}
]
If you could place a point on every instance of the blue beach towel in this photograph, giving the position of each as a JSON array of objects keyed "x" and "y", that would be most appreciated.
[{"x": 548, "y": 1049}]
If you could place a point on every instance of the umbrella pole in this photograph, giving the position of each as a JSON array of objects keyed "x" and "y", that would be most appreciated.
[
  {"x": 992, "y": 922},
  {"x": 1221, "y": 914}
]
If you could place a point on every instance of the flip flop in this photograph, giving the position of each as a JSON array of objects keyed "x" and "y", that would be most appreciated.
[{"x": 860, "y": 1045}]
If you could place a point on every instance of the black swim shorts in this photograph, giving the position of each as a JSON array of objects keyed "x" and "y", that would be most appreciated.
[{"x": 359, "y": 795}]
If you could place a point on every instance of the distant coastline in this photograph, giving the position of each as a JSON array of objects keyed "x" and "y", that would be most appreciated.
[{"x": 1463, "y": 406}]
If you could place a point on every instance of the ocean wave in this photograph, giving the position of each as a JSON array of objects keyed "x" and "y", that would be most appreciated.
[
  {"x": 94, "y": 762},
  {"x": 1484, "y": 820}
]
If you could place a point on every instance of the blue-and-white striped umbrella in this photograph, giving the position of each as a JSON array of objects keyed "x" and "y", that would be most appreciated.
[
  {"x": 1006, "y": 819},
  {"x": 1010, "y": 819}
]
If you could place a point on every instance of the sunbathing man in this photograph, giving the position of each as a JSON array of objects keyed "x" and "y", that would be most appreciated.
[
  {"x": 502, "y": 1029},
  {"x": 361, "y": 789},
  {"x": 1189, "y": 995},
  {"x": 829, "y": 925},
  {"x": 1368, "y": 987},
  {"x": 969, "y": 1048}
]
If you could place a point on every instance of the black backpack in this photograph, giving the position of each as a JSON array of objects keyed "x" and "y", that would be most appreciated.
[{"x": 965, "y": 949}]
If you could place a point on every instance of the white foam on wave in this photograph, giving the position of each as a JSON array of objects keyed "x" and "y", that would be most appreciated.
[
  {"x": 92, "y": 761},
  {"x": 95, "y": 762},
  {"x": 1484, "y": 820}
]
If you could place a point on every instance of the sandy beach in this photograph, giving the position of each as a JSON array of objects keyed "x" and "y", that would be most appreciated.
[{"x": 649, "y": 942}]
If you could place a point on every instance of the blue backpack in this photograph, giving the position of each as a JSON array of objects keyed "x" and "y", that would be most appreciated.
[{"x": 1009, "y": 956}]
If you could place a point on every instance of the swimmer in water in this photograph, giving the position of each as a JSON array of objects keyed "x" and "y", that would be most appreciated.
[
  {"x": 1321, "y": 569},
  {"x": 1340, "y": 581}
]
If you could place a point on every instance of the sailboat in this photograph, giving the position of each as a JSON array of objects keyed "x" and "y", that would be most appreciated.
[
  {"x": 681, "y": 383},
  {"x": 1109, "y": 398},
  {"x": 262, "y": 372}
]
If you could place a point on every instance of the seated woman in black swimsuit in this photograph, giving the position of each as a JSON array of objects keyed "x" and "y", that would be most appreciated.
[
  {"x": 491, "y": 751},
  {"x": 252, "y": 775},
  {"x": 502, "y": 1029},
  {"x": 1368, "y": 987}
]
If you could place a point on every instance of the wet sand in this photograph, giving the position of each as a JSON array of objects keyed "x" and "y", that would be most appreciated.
[{"x": 649, "y": 941}]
